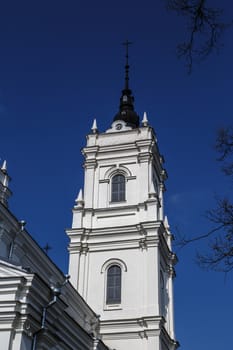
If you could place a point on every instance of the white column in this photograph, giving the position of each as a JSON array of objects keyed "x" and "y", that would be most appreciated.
[
  {"x": 161, "y": 209},
  {"x": 171, "y": 305},
  {"x": 89, "y": 185},
  {"x": 74, "y": 262},
  {"x": 82, "y": 271},
  {"x": 143, "y": 180}
]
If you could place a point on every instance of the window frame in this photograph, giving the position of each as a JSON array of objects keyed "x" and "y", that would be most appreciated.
[
  {"x": 104, "y": 270},
  {"x": 113, "y": 285},
  {"x": 120, "y": 193}
]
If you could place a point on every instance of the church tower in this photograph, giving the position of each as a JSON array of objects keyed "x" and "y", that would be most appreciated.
[{"x": 120, "y": 257}]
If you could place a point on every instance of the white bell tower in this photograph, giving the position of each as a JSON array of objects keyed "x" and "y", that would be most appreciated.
[{"x": 121, "y": 260}]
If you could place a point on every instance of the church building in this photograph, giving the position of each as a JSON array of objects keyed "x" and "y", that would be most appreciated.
[{"x": 119, "y": 291}]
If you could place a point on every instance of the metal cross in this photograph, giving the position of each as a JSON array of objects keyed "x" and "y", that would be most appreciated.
[{"x": 47, "y": 248}]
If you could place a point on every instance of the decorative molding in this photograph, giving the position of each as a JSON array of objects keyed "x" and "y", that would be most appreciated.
[
  {"x": 113, "y": 261},
  {"x": 117, "y": 169}
]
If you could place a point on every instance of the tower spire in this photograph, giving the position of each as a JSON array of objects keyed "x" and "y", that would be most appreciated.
[{"x": 126, "y": 110}]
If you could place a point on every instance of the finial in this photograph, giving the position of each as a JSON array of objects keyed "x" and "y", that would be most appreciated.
[
  {"x": 4, "y": 166},
  {"x": 94, "y": 127},
  {"x": 22, "y": 224},
  {"x": 166, "y": 224},
  {"x": 79, "y": 200},
  {"x": 126, "y": 44},
  {"x": 144, "y": 120}
]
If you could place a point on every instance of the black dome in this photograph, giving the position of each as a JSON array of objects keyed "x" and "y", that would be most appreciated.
[
  {"x": 130, "y": 117},
  {"x": 126, "y": 110}
]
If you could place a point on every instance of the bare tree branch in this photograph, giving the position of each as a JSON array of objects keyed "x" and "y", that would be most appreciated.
[
  {"x": 224, "y": 146},
  {"x": 183, "y": 240},
  {"x": 204, "y": 29},
  {"x": 219, "y": 256}
]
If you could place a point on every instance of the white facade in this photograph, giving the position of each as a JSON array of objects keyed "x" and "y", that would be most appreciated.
[{"x": 131, "y": 234}]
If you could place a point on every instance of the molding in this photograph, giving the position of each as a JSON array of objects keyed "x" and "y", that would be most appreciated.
[
  {"x": 113, "y": 261},
  {"x": 115, "y": 169},
  {"x": 114, "y": 216}
]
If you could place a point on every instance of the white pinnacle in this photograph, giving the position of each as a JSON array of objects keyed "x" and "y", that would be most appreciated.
[
  {"x": 79, "y": 199},
  {"x": 94, "y": 127},
  {"x": 144, "y": 120},
  {"x": 80, "y": 195},
  {"x": 166, "y": 224},
  {"x": 4, "y": 166}
]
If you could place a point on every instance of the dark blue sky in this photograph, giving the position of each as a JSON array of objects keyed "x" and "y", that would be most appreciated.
[{"x": 61, "y": 65}]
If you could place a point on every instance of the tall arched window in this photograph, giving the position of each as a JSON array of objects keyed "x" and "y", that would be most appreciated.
[
  {"x": 113, "y": 285},
  {"x": 118, "y": 188}
]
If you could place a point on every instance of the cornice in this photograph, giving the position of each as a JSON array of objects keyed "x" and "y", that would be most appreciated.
[
  {"x": 134, "y": 328},
  {"x": 121, "y": 208},
  {"x": 146, "y": 225}
]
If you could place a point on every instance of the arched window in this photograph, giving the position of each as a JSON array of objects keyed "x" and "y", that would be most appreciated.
[
  {"x": 113, "y": 285},
  {"x": 118, "y": 188}
]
